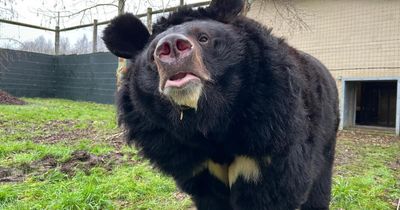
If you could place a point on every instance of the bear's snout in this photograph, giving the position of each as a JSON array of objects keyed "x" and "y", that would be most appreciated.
[
  {"x": 173, "y": 48},
  {"x": 181, "y": 68}
]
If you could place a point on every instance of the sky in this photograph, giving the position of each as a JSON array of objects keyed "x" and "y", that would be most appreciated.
[{"x": 44, "y": 13}]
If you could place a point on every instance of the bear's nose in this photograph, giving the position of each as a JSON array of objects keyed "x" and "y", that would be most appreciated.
[{"x": 173, "y": 48}]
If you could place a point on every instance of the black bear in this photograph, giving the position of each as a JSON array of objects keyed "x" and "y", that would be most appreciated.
[{"x": 240, "y": 119}]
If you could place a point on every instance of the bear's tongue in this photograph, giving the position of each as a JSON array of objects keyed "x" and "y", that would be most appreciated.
[{"x": 180, "y": 79}]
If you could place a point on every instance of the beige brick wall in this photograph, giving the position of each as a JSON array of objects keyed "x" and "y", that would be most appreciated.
[{"x": 353, "y": 38}]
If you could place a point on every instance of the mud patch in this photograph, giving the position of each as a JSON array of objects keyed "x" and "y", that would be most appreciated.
[
  {"x": 116, "y": 140},
  {"x": 35, "y": 168},
  {"x": 349, "y": 143},
  {"x": 395, "y": 166},
  {"x": 11, "y": 175},
  {"x": 345, "y": 154},
  {"x": 45, "y": 164},
  {"x": 362, "y": 137},
  {"x": 6, "y": 98},
  {"x": 180, "y": 196},
  {"x": 65, "y": 131},
  {"x": 79, "y": 160},
  {"x": 61, "y": 130},
  {"x": 84, "y": 161}
]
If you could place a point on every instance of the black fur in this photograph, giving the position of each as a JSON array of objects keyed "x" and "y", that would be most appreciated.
[
  {"x": 265, "y": 99},
  {"x": 121, "y": 40}
]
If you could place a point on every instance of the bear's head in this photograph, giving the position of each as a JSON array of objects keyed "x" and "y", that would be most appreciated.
[{"x": 190, "y": 56}]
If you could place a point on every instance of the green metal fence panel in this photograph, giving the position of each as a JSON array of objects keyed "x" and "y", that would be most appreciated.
[
  {"x": 27, "y": 74},
  {"x": 89, "y": 77}
]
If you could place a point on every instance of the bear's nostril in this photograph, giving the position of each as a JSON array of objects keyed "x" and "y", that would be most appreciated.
[
  {"x": 164, "y": 49},
  {"x": 183, "y": 45},
  {"x": 173, "y": 47}
]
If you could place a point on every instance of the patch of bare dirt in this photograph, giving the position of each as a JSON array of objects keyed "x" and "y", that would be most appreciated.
[
  {"x": 345, "y": 154},
  {"x": 349, "y": 141},
  {"x": 82, "y": 160},
  {"x": 395, "y": 165},
  {"x": 368, "y": 137},
  {"x": 79, "y": 160},
  {"x": 11, "y": 175},
  {"x": 18, "y": 174},
  {"x": 6, "y": 98},
  {"x": 60, "y": 130},
  {"x": 56, "y": 131},
  {"x": 180, "y": 196},
  {"x": 116, "y": 140}
]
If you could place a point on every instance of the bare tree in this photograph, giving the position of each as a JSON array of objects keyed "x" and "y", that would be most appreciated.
[
  {"x": 285, "y": 13},
  {"x": 82, "y": 46},
  {"x": 7, "y": 9},
  {"x": 10, "y": 43},
  {"x": 101, "y": 47},
  {"x": 7, "y": 12},
  {"x": 86, "y": 11},
  {"x": 65, "y": 46},
  {"x": 40, "y": 45}
]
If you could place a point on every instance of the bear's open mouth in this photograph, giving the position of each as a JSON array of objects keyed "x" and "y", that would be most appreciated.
[{"x": 181, "y": 79}]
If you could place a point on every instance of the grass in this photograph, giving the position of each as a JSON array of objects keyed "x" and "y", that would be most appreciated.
[
  {"x": 38, "y": 149},
  {"x": 57, "y": 128},
  {"x": 370, "y": 180}
]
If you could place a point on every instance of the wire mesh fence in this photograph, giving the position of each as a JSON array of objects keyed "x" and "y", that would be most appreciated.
[
  {"x": 359, "y": 43},
  {"x": 352, "y": 38}
]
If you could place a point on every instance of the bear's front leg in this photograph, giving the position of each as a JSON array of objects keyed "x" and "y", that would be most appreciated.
[
  {"x": 195, "y": 173},
  {"x": 269, "y": 184},
  {"x": 208, "y": 186}
]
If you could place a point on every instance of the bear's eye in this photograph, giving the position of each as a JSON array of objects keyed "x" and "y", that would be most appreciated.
[{"x": 203, "y": 38}]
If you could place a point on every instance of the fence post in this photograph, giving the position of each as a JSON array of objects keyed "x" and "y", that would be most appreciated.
[
  {"x": 149, "y": 18},
  {"x": 57, "y": 41},
  {"x": 94, "y": 36},
  {"x": 121, "y": 70},
  {"x": 121, "y": 7}
]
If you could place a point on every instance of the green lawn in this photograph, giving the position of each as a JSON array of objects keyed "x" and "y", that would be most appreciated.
[
  {"x": 59, "y": 154},
  {"x": 367, "y": 171},
  {"x": 40, "y": 168}
]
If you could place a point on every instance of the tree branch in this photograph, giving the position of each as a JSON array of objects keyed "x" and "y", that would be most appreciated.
[
  {"x": 288, "y": 12},
  {"x": 45, "y": 12},
  {"x": 14, "y": 40}
]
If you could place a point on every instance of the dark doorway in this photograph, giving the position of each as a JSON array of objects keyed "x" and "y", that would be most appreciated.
[{"x": 376, "y": 103}]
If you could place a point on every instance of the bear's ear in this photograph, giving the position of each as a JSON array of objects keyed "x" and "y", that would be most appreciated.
[
  {"x": 125, "y": 36},
  {"x": 226, "y": 9}
]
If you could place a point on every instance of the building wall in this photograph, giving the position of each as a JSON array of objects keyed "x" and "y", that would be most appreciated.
[
  {"x": 358, "y": 40},
  {"x": 353, "y": 38}
]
